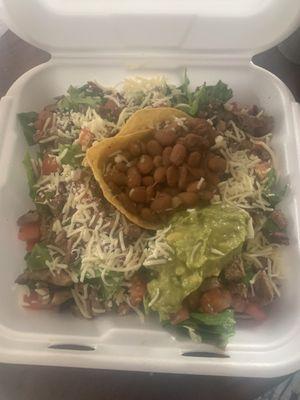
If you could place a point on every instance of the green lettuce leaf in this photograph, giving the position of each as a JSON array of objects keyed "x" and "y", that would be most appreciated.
[
  {"x": 77, "y": 97},
  {"x": 274, "y": 189},
  {"x": 113, "y": 282},
  {"x": 31, "y": 177},
  {"x": 37, "y": 258},
  {"x": 223, "y": 320},
  {"x": 73, "y": 155},
  {"x": 249, "y": 274},
  {"x": 216, "y": 329},
  {"x": 204, "y": 96},
  {"x": 212, "y": 328},
  {"x": 27, "y": 123},
  {"x": 107, "y": 287},
  {"x": 184, "y": 87}
]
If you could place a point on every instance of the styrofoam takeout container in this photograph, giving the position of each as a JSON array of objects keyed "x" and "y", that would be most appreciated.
[{"x": 109, "y": 40}]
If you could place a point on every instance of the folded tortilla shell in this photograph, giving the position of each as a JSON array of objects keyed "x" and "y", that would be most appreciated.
[{"x": 139, "y": 127}]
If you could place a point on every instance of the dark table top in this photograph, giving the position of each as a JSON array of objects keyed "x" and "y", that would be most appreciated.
[{"x": 19, "y": 382}]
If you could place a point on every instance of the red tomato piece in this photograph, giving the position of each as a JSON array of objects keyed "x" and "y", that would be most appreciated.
[
  {"x": 85, "y": 138},
  {"x": 215, "y": 300},
  {"x": 256, "y": 312},
  {"x": 30, "y": 232},
  {"x": 49, "y": 165},
  {"x": 181, "y": 315}
]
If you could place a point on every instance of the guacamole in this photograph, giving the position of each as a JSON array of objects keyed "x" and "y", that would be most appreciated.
[{"x": 204, "y": 241}]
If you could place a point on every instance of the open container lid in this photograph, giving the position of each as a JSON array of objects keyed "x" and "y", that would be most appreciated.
[{"x": 80, "y": 27}]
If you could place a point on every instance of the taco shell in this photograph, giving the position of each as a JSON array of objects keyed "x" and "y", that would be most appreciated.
[
  {"x": 139, "y": 127},
  {"x": 148, "y": 118}
]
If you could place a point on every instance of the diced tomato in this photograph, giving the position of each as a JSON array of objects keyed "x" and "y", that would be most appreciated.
[
  {"x": 49, "y": 165},
  {"x": 238, "y": 303},
  {"x": 255, "y": 312},
  {"x": 215, "y": 300},
  {"x": 30, "y": 232},
  {"x": 192, "y": 300},
  {"x": 137, "y": 290},
  {"x": 85, "y": 138},
  {"x": 35, "y": 302},
  {"x": 262, "y": 170},
  {"x": 42, "y": 118},
  {"x": 181, "y": 315}
]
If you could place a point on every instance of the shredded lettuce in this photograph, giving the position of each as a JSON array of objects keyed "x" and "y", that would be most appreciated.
[
  {"x": 31, "y": 178},
  {"x": 249, "y": 273},
  {"x": 109, "y": 285},
  {"x": 270, "y": 228},
  {"x": 203, "y": 97},
  {"x": 274, "y": 189},
  {"x": 77, "y": 97},
  {"x": 213, "y": 328},
  {"x": 73, "y": 155},
  {"x": 37, "y": 258},
  {"x": 27, "y": 123}
]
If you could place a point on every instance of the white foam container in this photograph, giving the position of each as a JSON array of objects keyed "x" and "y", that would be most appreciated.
[{"x": 108, "y": 41}]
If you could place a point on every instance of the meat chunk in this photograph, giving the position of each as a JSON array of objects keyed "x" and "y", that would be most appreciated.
[
  {"x": 255, "y": 126},
  {"x": 235, "y": 271},
  {"x": 279, "y": 219},
  {"x": 215, "y": 301},
  {"x": 44, "y": 275},
  {"x": 279, "y": 238},
  {"x": 180, "y": 316},
  {"x": 261, "y": 153},
  {"x": 238, "y": 289},
  {"x": 210, "y": 283},
  {"x": 42, "y": 118},
  {"x": 192, "y": 301},
  {"x": 29, "y": 218},
  {"x": 137, "y": 289},
  {"x": 110, "y": 110},
  {"x": 60, "y": 297},
  {"x": 263, "y": 288}
]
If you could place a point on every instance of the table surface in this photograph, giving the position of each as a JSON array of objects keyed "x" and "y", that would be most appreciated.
[{"x": 19, "y": 382}]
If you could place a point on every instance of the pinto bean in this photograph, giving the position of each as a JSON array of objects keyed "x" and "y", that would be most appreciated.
[
  {"x": 166, "y": 136},
  {"x": 135, "y": 149},
  {"x": 183, "y": 177},
  {"x": 189, "y": 199},
  {"x": 133, "y": 177},
  {"x": 145, "y": 164},
  {"x": 172, "y": 176},
  {"x": 157, "y": 161},
  {"x": 138, "y": 194},
  {"x": 178, "y": 154},
  {"x": 154, "y": 148},
  {"x": 216, "y": 163},
  {"x": 127, "y": 203},
  {"x": 161, "y": 203},
  {"x": 194, "y": 159},
  {"x": 166, "y": 156},
  {"x": 119, "y": 178},
  {"x": 147, "y": 180},
  {"x": 160, "y": 174}
]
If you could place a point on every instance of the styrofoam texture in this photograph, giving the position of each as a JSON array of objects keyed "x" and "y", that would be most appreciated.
[
  {"x": 210, "y": 26},
  {"x": 267, "y": 349}
]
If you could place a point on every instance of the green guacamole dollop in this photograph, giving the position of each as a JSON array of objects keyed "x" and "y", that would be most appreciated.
[{"x": 204, "y": 241}]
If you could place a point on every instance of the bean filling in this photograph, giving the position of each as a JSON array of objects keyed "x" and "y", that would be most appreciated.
[{"x": 173, "y": 169}]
